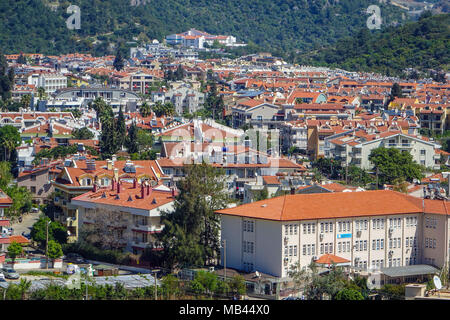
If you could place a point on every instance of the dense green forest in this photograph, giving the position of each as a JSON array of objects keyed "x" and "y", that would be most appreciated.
[
  {"x": 424, "y": 44},
  {"x": 279, "y": 26}
]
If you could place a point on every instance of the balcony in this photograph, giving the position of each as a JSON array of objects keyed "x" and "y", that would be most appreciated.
[{"x": 399, "y": 145}]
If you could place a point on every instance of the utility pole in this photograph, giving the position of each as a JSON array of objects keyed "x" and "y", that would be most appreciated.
[{"x": 46, "y": 246}]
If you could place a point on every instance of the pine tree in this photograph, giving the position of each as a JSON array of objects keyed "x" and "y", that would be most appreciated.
[
  {"x": 131, "y": 140},
  {"x": 119, "y": 61},
  {"x": 121, "y": 129},
  {"x": 202, "y": 192}
]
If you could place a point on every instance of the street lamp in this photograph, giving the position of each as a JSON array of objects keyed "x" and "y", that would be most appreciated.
[{"x": 224, "y": 246}]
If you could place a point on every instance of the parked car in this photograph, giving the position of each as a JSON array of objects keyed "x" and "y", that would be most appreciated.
[
  {"x": 35, "y": 210},
  {"x": 9, "y": 273},
  {"x": 74, "y": 257}
]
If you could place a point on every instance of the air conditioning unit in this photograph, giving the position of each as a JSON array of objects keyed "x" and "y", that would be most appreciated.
[
  {"x": 391, "y": 253},
  {"x": 358, "y": 234},
  {"x": 314, "y": 258},
  {"x": 321, "y": 236},
  {"x": 286, "y": 240},
  {"x": 391, "y": 230}
]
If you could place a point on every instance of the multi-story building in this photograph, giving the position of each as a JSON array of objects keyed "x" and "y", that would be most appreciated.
[
  {"x": 372, "y": 230},
  {"x": 80, "y": 176},
  {"x": 38, "y": 181},
  {"x": 355, "y": 148},
  {"x": 138, "y": 208},
  {"x": 51, "y": 82}
]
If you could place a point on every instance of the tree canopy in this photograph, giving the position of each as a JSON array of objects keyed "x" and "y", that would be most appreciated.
[{"x": 393, "y": 164}]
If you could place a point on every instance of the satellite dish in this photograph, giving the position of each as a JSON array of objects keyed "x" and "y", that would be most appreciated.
[
  {"x": 372, "y": 282},
  {"x": 257, "y": 274},
  {"x": 437, "y": 283}
]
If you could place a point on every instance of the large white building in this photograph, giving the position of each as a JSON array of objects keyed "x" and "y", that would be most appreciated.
[
  {"x": 372, "y": 230},
  {"x": 51, "y": 82},
  {"x": 354, "y": 147}
]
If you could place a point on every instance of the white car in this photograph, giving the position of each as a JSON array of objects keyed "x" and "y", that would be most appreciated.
[{"x": 2, "y": 277}]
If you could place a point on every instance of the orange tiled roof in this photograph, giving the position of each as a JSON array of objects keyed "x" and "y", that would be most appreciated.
[
  {"x": 330, "y": 259},
  {"x": 329, "y": 206}
]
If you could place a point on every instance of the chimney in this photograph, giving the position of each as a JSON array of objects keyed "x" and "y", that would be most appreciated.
[
  {"x": 116, "y": 174},
  {"x": 113, "y": 184},
  {"x": 134, "y": 183},
  {"x": 95, "y": 188},
  {"x": 173, "y": 192},
  {"x": 109, "y": 164},
  {"x": 142, "y": 191},
  {"x": 148, "y": 189},
  {"x": 118, "y": 187}
]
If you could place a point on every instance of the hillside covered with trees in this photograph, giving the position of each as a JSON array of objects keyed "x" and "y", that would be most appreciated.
[
  {"x": 424, "y": 44},
  {"x": 280, "y": 26}
]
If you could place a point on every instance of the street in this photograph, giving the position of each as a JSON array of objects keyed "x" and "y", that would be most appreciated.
[{"x": 27, "y": 222}]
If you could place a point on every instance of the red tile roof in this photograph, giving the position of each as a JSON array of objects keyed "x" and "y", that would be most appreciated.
[
  {"x": 329, "y": 259},
  {"x": 329, "y": 206}
]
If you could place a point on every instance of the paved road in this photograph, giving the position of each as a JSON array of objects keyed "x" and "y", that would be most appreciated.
[{"x": 27, "y": 222}]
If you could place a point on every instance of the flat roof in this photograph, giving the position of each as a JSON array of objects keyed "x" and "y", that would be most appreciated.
[{"x": 412, "y": 270}]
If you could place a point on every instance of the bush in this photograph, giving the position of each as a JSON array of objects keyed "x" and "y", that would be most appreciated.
[
  {"x": 349, "y": 294},
  {"x": 92, "y": 253}
]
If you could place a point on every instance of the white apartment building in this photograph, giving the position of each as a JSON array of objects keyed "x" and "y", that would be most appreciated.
[
  {"x": 355, "y": 148},
  {"x": 372, "y": 229},
  {"x": 51, "y": 82}
]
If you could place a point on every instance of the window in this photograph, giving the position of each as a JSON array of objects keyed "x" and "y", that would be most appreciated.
[
  {"x": 295, "y": 229},
  {"x": 326, "y": 226},
  {"x": 321, "y": 248},
  {"x": 339, "y": 247},
  {"x": 33, "y": 177},
  {"x": 321, "y": 227},
  {"x": 291, "y": 230},
  {"x": 295, "y": 251},
  {"x": 365, "y": 245},
  {"x": 33, "y": 189},
  {"x": 304, "y": 228},
  {"x": 382, "y": 244},
  {"x": 291, "y": 250},
  {"x": 309, "y": 228},
  {"x": 285, "y": 250},
  {"x": 313, "y": 227},
  {"x": 304, "y": 250}
]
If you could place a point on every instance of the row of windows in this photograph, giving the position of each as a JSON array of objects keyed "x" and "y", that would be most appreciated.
[
  {"x": 344, "y": 246},
  {"x": 411, "y": 221},
  {"x": 344, "y": 226},
  {"x": 395, "y": 243},
  {"x": 395, "y": 223},
  {"x": 431, "y": 223},
  {"x": 248, "y": 226},
  {"x": 430, "y": 261},
  {"x": 290, "y": 229},
  {"x": 248, "y": 266},
  {"x": 361, "y": 225},
  {"x": 378, "y": 263},
  {"x": 309, "y": 249},
  {"x": 396, "y": 262},
  {"x": 309, "y": 228},
  {"x": 430, "y": 243},
  {"x": 360, "y": 264},
  {"x": 411, "y": 242},
  {"x": 377, "y": 244},
  {"x": 377, "y": 224},
  {"x": 326, "y": 227},
  {"x": 361, "y": 245},
  {"x": 291, "y": 250},
  {"x": 326, "y": 248},
  {"x": 248, "y": 246}
]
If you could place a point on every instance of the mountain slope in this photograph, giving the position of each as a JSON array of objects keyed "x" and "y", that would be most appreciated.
[
  {"x": 274, "y": 25},
  {"x": 424, "y": 44}
]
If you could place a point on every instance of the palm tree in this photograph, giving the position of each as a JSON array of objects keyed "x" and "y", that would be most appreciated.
[
  {"x": 41, "y": 93},
  {"x": 25, "y": 101},
  {"x": 24, "y": 286},
  {"x": 145, "y": 110}
]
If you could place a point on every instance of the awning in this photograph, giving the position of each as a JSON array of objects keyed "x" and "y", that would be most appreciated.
[{"x": 413, "y": 270}]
